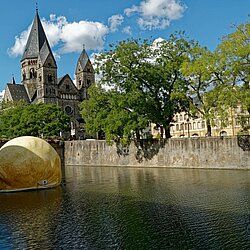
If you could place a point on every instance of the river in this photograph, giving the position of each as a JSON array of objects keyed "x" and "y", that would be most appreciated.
[{"x": 131, "y": 208}]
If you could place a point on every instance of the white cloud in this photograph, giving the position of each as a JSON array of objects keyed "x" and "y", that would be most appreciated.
[
  {"x": 70, "y": 36},
  {"x": 92, "y": 34},
  {"x": 115, "y": 21},
  {"x": 131, "y": 10},
  {"x": 2, "y": 94},
  {"x": 157, "y": 14},
  {"x": 20, "y": 42},
  {"x": 127, "y": 30}
]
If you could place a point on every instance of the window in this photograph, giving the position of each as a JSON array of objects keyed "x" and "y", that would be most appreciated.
[
  {"x": 50, "y": 78},
  {"x": 67, "y": 86},
  {"x": 32, "y": 73},
  {"x": 68, "y": 109}
]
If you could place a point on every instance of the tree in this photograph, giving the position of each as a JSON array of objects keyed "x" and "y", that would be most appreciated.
[
  {"x": 140, "y": 83},
  {"x": 108, "y": 111},
  {"x": 219, "y": 80},
  {"x": 46, "y": 120},
  {"x": 234, "y": 58},
  {"x": 198, "y": 70}
]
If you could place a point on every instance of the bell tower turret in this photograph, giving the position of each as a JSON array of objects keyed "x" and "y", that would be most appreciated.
[
  {"x": 85, "y": 74},
  {"x": 39, "y": 69}
]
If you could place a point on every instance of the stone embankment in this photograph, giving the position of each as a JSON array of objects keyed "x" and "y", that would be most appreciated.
[{"x": 200, "y": 152}]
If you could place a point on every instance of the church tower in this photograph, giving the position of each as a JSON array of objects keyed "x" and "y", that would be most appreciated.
[
  {"x": 85, "y": 74},
  {"x": 38, "y": 66}
]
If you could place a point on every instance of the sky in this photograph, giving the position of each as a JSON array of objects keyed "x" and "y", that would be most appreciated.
[{"x": 70, "y": 25}]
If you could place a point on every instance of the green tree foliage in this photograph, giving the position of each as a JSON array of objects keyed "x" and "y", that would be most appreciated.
[
  {"x": 219, "y": 80},
  {"x": 234, "y": 58},
  {"x": 19, "y": 119},
  {"x": 198, "y": 69},
  {"x": 141, "y": 82}
]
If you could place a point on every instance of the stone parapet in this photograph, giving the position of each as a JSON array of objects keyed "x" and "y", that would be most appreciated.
[{"x": 199, "y": 152}]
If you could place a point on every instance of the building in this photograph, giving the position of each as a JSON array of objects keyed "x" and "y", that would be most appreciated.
[
  {"x": 40, "y": 82},
  {"x": 186, "y": 126}
]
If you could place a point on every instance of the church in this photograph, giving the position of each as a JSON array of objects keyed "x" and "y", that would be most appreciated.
[{"x": 40, "y": 83}]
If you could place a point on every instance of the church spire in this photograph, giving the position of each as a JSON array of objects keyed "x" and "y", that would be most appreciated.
[
  {"x": 13, "y": 80},
  {"x": 83, "y": 59},
  {"x": 37, "y": 44}
]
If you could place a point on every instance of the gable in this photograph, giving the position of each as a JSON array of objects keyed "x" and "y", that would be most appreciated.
[{"x": 66, "y": 85}]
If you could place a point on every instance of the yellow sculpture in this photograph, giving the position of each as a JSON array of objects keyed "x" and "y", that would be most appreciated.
[{"x": 28, "y": 163}]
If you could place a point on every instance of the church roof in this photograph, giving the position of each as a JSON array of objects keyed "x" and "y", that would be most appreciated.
[
  {"x": 18, "y": 92},
  {"x": 83, "y": 60},
  {"x": 37, "y": 44}
]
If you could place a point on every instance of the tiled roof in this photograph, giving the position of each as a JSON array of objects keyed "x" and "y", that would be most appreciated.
[
  {"x": 37, "y": 44},
  {"x": 83, "y": 60},
  {"x": 18, "y": 92}
]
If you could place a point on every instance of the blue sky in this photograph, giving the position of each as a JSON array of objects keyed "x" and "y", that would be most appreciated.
[{"x": 97, "y": 23}]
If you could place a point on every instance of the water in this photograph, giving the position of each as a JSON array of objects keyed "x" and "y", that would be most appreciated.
[{"x": 129, "y": 208}]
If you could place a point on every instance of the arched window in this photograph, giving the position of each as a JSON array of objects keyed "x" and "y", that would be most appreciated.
[
  {"x": 32, "y": 73},
  {"x": 50, "y": 78}
]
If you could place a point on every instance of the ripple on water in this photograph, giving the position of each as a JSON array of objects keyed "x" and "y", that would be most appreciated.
[{"x": 122, "y": 208}]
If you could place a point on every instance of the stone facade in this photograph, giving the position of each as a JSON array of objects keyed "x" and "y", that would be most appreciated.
[
  {"x": 40, "y": 82},
  {"x": 199, "y": 152}
]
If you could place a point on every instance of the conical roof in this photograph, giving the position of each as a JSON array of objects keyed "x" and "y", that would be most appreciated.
[
  {"x": 37, "y": 43},
  {"x": 83, "y": 59}
]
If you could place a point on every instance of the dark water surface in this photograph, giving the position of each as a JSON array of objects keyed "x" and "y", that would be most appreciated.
[{"x": 130, "y": 208}]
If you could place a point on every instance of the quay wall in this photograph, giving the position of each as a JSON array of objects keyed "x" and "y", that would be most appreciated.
[{"x": 200, "y": 152}]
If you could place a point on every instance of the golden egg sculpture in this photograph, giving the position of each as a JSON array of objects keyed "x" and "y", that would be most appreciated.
[{"x": 28, "y": 163}]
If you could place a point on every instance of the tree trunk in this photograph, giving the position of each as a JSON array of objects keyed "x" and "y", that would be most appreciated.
[
  {"x": 167, "y": 132},
  {"x": 209, "y": 128}
]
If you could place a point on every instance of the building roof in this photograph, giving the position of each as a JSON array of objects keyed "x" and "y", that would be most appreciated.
[
  {"x": 18, "y": 92},
  {"x": 37, "y": 44},
  {"x": 83, "y": 60}
]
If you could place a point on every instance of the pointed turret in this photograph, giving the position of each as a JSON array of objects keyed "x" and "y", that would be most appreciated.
[
  {"x": 85, "y": 74},
  {"x": 37, "y": 44},
  {"x": 39, "y": 69},
  {"x": 13, "y": 80},
  {"x": 82, "y": 61}
]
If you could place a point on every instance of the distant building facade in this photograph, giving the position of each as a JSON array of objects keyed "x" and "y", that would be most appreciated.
[
  {"x": 187, "y": 126},
  {"x": 40, "y": 82}
]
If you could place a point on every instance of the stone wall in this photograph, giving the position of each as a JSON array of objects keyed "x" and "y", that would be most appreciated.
[{"x": 204, "y": 152}]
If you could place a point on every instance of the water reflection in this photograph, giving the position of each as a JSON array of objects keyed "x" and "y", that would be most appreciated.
[
  {"x": 26, "y": 218},
  {"x": 130, "y": 208}
]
